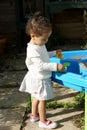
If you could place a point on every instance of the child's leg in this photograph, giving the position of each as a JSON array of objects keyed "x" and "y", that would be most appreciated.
[
  {"x": 42, "y": 110},
  {"x": 35, "y": 107},
  {"x": 44, "y": 123}
]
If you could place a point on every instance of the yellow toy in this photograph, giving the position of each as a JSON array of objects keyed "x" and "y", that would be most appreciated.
[{"x": 59, "y": 54}]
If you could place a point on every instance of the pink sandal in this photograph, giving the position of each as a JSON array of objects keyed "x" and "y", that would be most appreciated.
[
  {"x": 34, "y": 118},
  {"x": 48, "y": 124}
]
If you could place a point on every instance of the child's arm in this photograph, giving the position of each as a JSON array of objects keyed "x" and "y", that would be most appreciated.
[
  {"x": 35, "y": 63},
  {"x": 39, "y": 65}
]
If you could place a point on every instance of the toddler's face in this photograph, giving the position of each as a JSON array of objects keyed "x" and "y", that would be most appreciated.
[{"x": 41, "y": 40}]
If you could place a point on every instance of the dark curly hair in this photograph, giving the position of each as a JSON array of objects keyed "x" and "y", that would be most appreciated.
[{"x": 38, "y": 25}]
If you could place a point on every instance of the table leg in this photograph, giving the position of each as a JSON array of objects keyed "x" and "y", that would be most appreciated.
[{"x": 85, "y": 109}]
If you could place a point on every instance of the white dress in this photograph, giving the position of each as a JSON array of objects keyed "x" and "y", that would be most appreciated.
[{"x": 37, "y": 81}]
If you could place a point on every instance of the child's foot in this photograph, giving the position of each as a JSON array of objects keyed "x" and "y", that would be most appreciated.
[
  {"x": 34, "y": 118},
  {"x": 48, "y": 124}
]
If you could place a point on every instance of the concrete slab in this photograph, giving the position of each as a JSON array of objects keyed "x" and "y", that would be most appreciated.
[
  {"x": 10, "y": 119},
  {"x": 64, "y": 118},
  {"x": 12, "y": 108},
  {"x": 10, "y": 97}
]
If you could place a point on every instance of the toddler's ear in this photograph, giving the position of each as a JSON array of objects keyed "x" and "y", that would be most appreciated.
[{"x": 32, "y": 35}]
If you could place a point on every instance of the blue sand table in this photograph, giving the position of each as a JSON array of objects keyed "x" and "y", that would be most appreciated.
[{"x": 76, "y": 75}]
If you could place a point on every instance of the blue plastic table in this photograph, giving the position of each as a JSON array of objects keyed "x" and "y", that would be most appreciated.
[{"x": 75, "y": 76}]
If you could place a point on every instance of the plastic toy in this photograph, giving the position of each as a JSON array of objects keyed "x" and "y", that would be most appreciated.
[{"x": 59, "y": 54}]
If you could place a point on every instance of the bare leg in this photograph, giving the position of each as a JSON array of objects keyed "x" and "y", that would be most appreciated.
[
  {"x": 42, "y": 110},
  {"x": 35, "y": 107}
]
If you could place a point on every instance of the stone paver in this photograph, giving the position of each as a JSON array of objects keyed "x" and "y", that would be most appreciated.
[
  {"x": 12, "y": 102},
  {"x": 64, "y": 94},
  {"x": 10, "y": 119},
  {"x": 12, "y": 108}
]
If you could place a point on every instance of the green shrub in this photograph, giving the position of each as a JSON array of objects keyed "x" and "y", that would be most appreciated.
[{"x": 80, "y": 100}]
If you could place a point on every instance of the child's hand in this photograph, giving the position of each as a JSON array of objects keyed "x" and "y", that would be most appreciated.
[{"x": 61, "y": 68}]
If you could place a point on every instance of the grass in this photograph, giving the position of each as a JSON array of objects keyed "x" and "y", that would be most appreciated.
[
  {"x": 56, "y": 104},
  {"x": 79, "y": 121}
]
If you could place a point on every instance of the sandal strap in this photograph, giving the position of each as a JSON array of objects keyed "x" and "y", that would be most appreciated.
[{"x": 48, "y": 122}]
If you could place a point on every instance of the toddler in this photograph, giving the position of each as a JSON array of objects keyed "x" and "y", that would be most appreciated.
[{"x": 37, "y": 81}]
